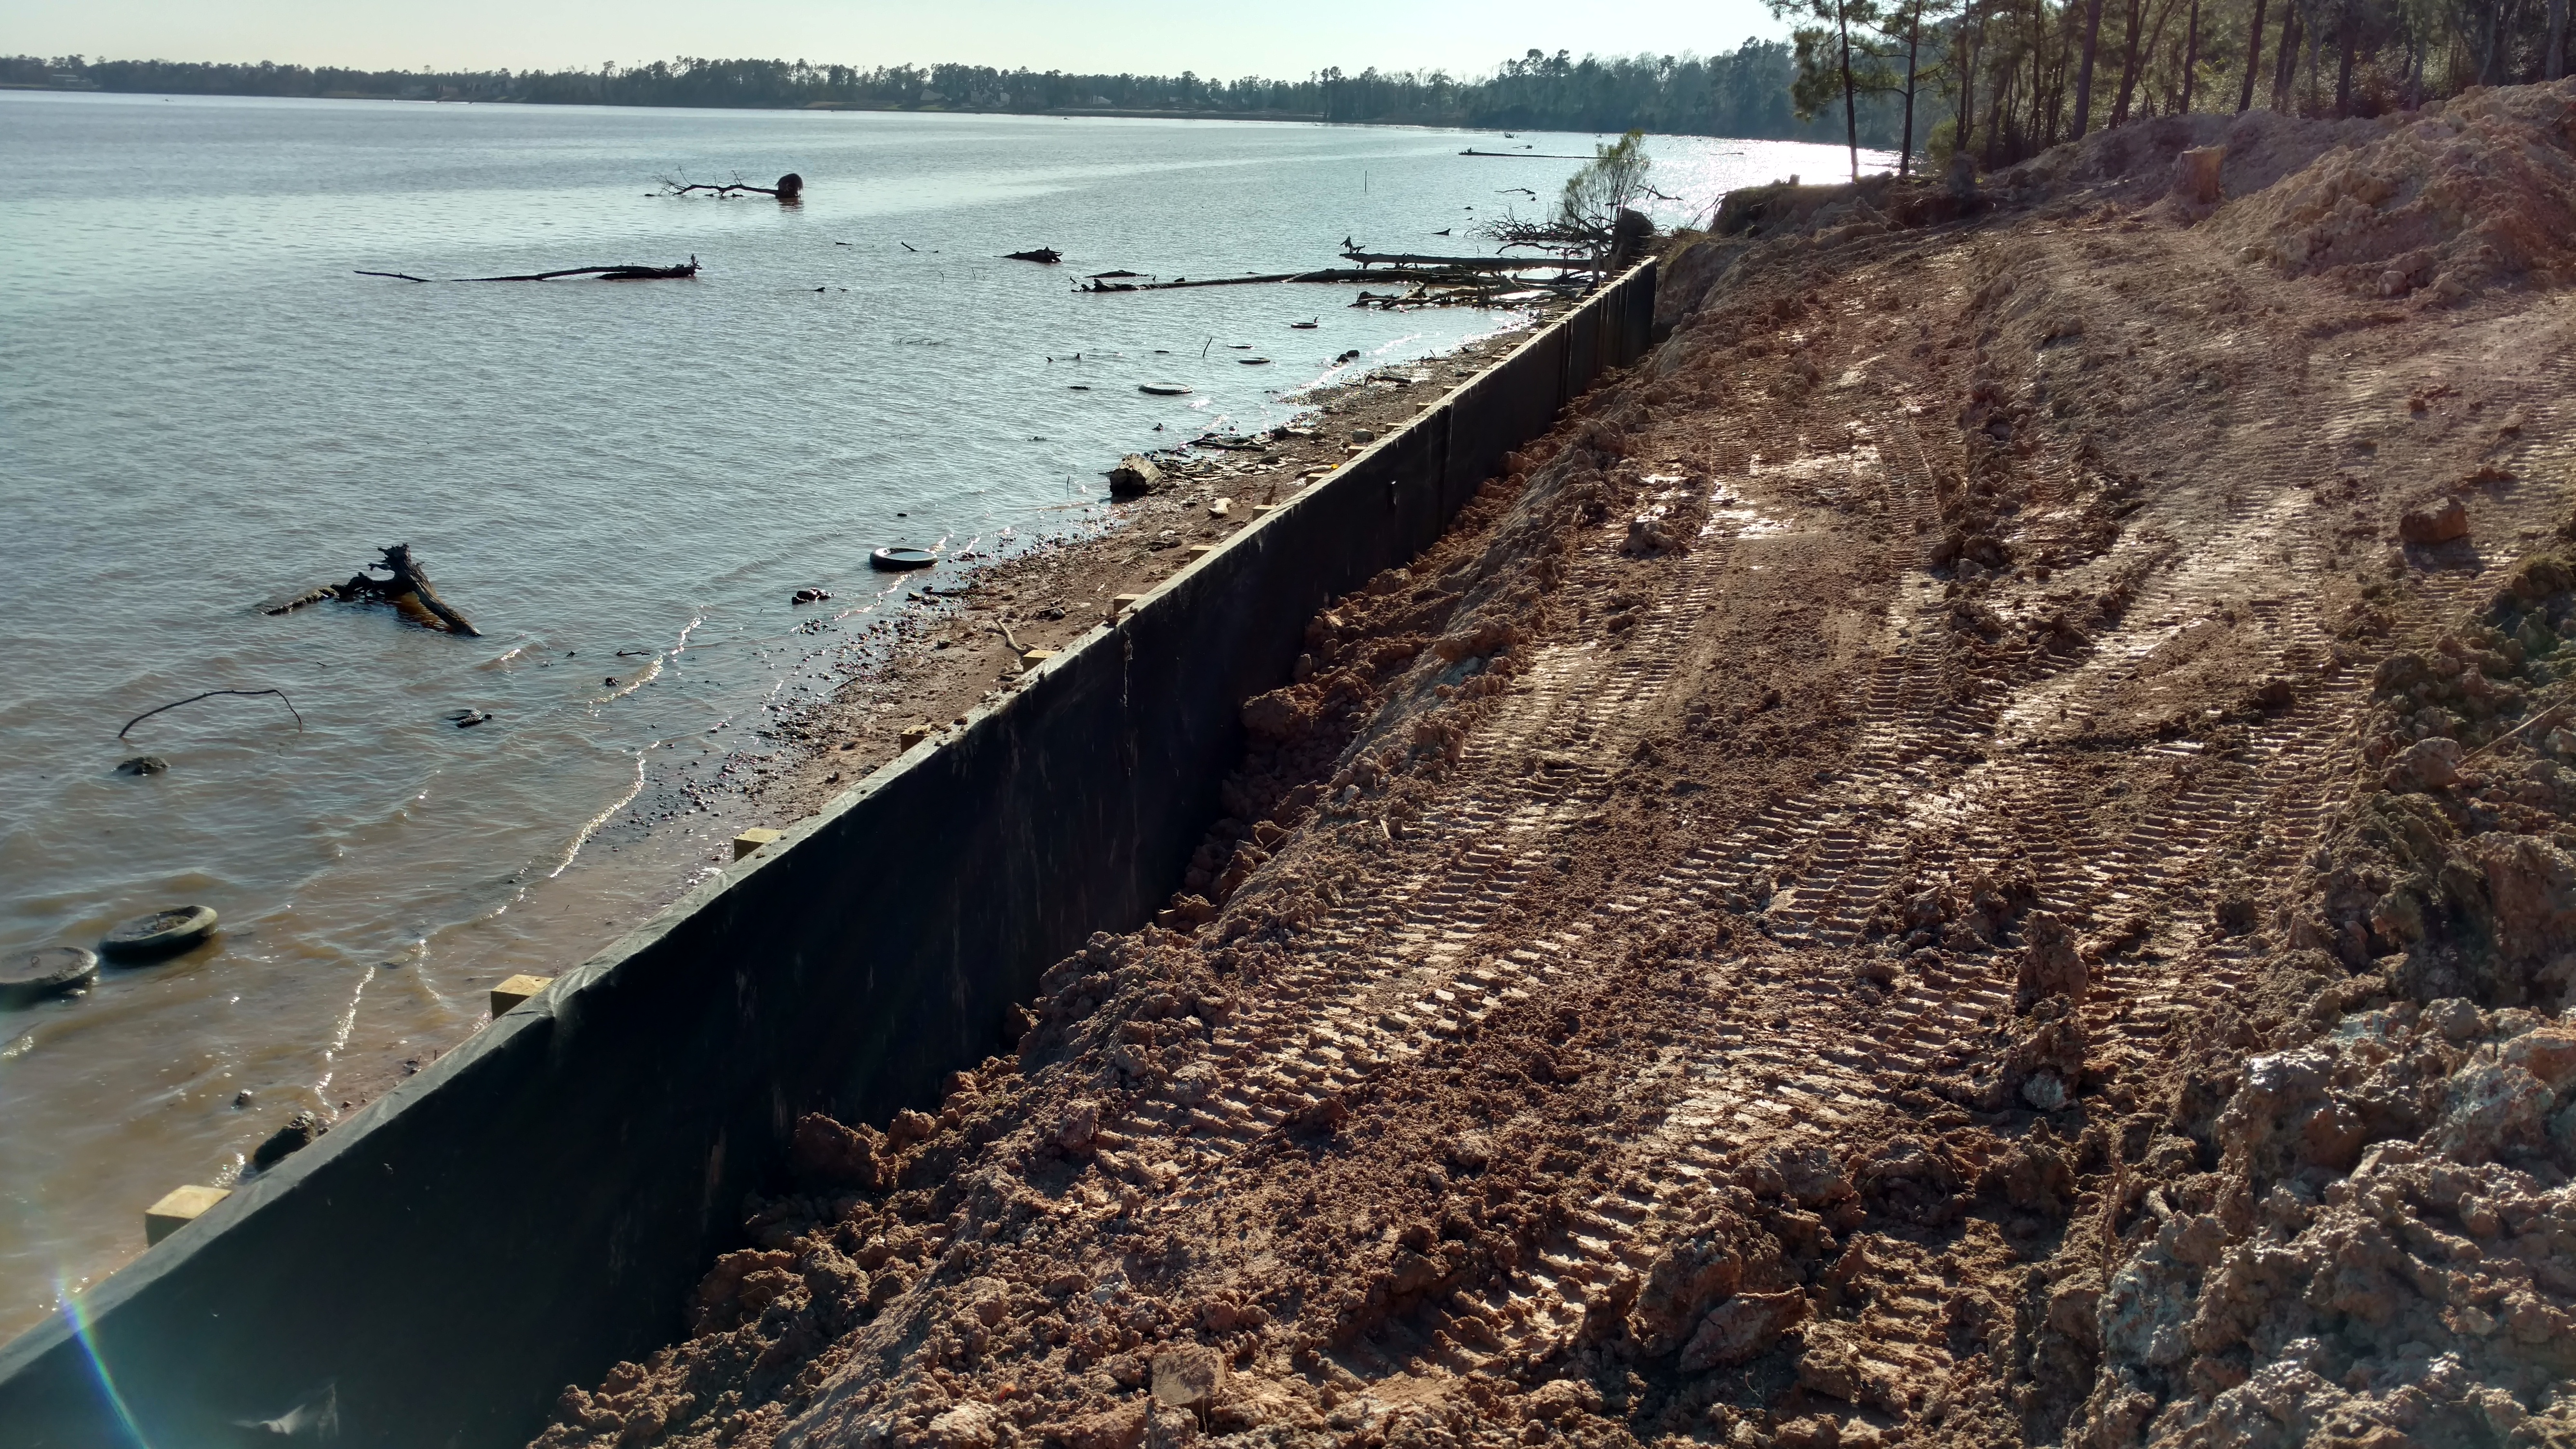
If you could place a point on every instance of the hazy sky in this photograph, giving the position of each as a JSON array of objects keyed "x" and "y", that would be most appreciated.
[{"x": 1213, "y": 37}]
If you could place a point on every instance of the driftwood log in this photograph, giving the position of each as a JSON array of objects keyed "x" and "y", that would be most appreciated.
[
  {"x": 408, "y": 590},
  {"x": 623, "y": 272},
  {"x": 1465, "y": 264},
  {"x": 789, "y": 187},
  {"x": 1328, "y": 274}
]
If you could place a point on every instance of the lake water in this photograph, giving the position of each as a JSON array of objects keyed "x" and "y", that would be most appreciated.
[{"x": 621, "y": 484}]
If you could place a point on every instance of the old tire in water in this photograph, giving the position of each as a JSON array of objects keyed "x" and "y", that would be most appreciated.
[
  {"x": 162, "y": 933},
  {"x": 34, "y": 975},
  {"x": 896, "y": 557}
]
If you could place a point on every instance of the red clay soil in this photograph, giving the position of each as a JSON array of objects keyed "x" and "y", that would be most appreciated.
[{"x": 1978, "y": 851}]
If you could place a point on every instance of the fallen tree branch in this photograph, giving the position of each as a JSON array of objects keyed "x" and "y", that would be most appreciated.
[
  {"x": 789, "y": 187},
  {"x": 627, "y": 272},
  {"x": 1465, "y": 264},
  {"x": 622, "y": 272},
  {"x": 409, "y": 590},
  {"x": 1329, "y": 274},
  {"x": 211, "y": 693}
]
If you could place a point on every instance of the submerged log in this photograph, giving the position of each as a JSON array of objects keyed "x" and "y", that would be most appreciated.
[
  {"x": 1327, "y": 274},
  {"x": 622, "y": 272},
  {"x": 1047, "y": 255},
  {"x": 790, "y": 187},
  {"x": 408, "y": 590},
  {"x": 1467, "y": 264}
]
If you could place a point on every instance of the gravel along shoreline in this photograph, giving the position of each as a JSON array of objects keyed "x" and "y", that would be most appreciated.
[{"x": 965, "y": 645}]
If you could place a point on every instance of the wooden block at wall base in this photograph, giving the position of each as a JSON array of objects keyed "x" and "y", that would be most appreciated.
[
  {"x": 180, "y": 1207},
  {"x": 753, "y": 839},
  {"x": 517, "y": 989}
]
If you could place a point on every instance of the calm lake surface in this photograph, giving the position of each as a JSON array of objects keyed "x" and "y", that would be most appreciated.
[{"x": 621, "y": 484}]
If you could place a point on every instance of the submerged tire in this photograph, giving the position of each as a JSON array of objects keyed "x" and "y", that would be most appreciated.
[
  {"x": 162, "y": 933},
  {"x": 35, "y": 975},
  {"x": 894, "y": 557}
]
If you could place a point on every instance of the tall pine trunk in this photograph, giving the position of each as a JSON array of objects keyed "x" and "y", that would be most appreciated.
[
  {"x": 2351, "y": 37},
  {"x": 2253, "y": 59},
  {"x": 2285, "y": 67},
  {"x": 2135, "y": 18},
  {"x": 2084, "y": 69},
  {"x": 2191, "y": 55},
  {"x": 2130, "y": 70},
  {"x": 1851, "y": 113},
  {"x": 2554, "y": 64},
  {"x": 1913, "y": 40},
  {"x": 1966, "y": 49}
]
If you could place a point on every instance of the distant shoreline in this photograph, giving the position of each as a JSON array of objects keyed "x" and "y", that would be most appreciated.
[
  {"x": 1745, "y": 94},
  {"x": 1314, "y": 118}
]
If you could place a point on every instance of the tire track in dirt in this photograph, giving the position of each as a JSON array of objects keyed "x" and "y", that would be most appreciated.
[
  {"x": 1398, "y": 965},
  {"x": 1823, "y": 860}
]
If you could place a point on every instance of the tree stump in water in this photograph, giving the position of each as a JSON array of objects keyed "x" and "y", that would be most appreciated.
[
  {"x": 790, "y": 187},
  {"x": 409, "y": 590}
]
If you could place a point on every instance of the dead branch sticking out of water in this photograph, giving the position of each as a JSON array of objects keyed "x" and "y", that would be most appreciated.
[
  {"x": 789, "y": 189},
  {"x": 623, "y": 272},
  {"x": 211, "y": 693},
  {"x": 409, "y": 590}
]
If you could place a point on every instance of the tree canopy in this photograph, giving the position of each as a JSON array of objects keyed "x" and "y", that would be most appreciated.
[{"x": 1744, "y": 92}]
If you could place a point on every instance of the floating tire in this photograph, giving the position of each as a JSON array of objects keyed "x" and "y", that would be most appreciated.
[
  {"x": 162, "y": 933},
  {"x": 892, "y": 557},
  {"x": 35, "y": 975}
]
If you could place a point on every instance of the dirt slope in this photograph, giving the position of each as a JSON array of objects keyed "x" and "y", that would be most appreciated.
[{"x": 1974, "y": 853}]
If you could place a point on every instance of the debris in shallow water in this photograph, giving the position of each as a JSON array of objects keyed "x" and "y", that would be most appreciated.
[
  {"x": 34, "y": 975},
  {"x": 620, "y": 272},
  {"x": 408, "y": 590},
  {"x": 1135, "y": 474},
  {"x": 163, "y": 933},
  {"x": 209, "y": 694},
  {"x": 789, "y": 188},
  {"x": 143, "y": 765},
  {"x": 301, "y": 1131}
]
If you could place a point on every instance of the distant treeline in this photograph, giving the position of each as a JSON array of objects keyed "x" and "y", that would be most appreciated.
[{"x": 1746, "y": 93}]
